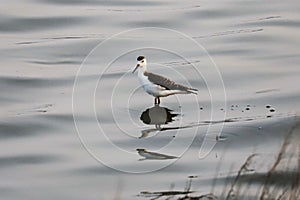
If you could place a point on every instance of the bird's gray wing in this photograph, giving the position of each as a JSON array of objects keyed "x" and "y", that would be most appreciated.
[{"x": 166, "y": 83}]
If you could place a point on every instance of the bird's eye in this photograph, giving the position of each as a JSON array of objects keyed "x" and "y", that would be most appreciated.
[{"x": 142, "y": 61}]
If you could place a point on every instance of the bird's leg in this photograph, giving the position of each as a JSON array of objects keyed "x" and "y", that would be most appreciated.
[
  {"x": 156, "y": 101},
  {"x": 157, "y": 126}
]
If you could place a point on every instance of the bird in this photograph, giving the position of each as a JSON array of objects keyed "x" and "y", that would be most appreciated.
[{"x": 157, "y": 85}]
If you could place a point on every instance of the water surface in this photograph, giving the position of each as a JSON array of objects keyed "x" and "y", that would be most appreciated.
[{"x": 255, "y": 45}]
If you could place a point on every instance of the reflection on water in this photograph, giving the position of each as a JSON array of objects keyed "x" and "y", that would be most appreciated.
[
  {"x": 187, "y": 193},
  {"x": 42, "y": 45},
  {"x": 148, "y": 155},
  {"x": 157, "y": 115}
]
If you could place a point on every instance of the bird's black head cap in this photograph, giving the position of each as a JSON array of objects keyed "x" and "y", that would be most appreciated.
[{"x": 140, "y": 58}]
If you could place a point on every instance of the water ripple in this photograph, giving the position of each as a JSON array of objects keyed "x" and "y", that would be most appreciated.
[
  {"x": 11, "y": 161},
  {"x": 20, "y": 129},
  {"x": 29, "y": 24}
]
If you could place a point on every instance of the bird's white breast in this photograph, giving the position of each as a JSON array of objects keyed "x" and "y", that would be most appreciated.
[{"x": 148, "y": 86}]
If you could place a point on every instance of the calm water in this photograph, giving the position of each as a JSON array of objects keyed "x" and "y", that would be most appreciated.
[{"x": 46, "y": 45}]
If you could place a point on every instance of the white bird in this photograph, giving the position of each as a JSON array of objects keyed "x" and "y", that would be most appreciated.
[{"x": 156, "y": 85}]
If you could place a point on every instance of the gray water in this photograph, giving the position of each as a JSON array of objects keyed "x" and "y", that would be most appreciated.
[{"x": 70, "y": 123}]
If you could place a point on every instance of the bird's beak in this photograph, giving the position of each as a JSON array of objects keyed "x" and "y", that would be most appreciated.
[{"x": 137, "y": 66}]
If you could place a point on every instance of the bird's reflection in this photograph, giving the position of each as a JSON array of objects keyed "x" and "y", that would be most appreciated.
[
  {"x": 150, "y": 155},
  {"x": 157, "y": 116}
]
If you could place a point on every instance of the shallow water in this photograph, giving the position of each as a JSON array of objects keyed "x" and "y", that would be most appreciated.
[{"x": 49, "y": 77}]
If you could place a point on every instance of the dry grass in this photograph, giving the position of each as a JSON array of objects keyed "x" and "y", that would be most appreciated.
[
  {"x": 277, "y": 183},
  {"x": 232, "y": 192},
  {"x": 290, "y": 191}
]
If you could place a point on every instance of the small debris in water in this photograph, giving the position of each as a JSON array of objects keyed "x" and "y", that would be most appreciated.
[
  {"x": 201, "y": 108},
  {"x": 268, "y": 106},
  {"x": 247, "y": 108},
  {"x": 221, "y": 138},
  {"x": 272, "y": 110}
]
